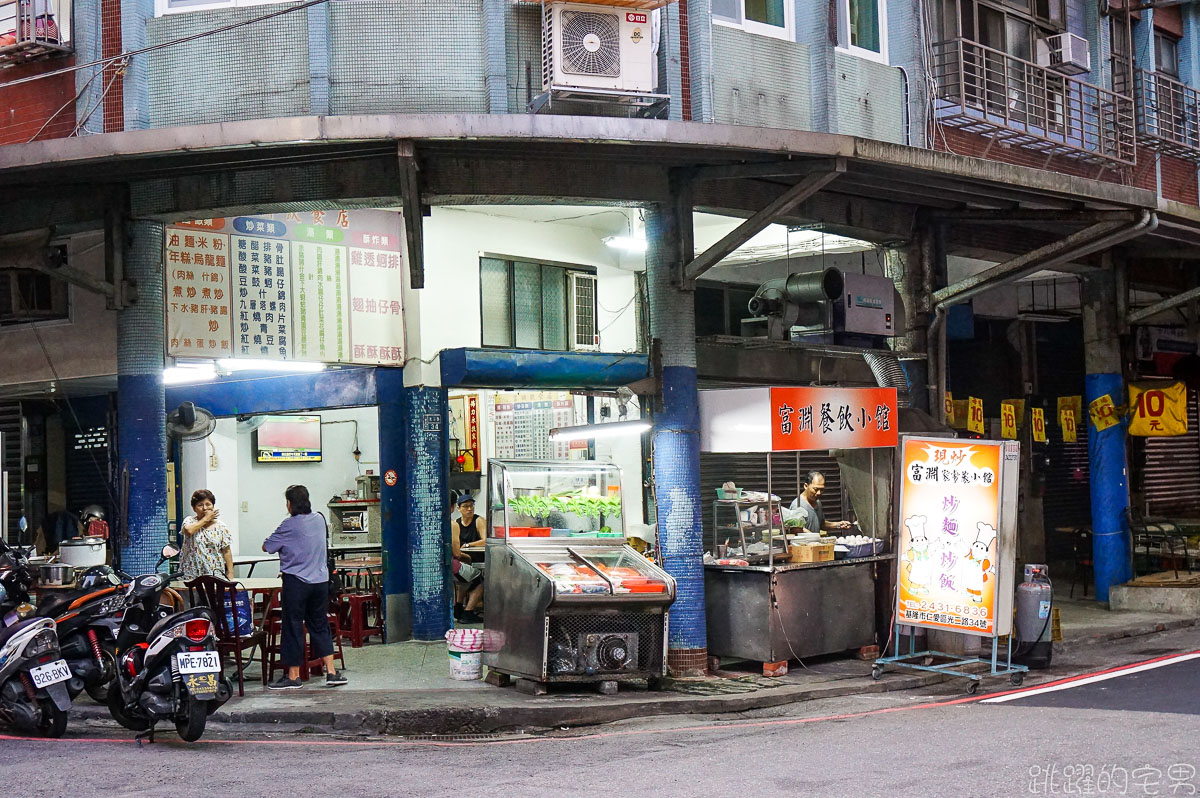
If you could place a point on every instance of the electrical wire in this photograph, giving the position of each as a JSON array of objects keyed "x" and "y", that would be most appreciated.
[
  {"x": 118, "y": 72},
  {"x": 63, "y": 107},
  {"x": 104, "y": 62}
]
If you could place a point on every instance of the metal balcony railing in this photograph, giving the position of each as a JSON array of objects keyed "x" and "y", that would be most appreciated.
[
  {"x": 32, "y": 29},
  {"x": 989, "y": 92},
  {"x": 1168, "y": 115}
]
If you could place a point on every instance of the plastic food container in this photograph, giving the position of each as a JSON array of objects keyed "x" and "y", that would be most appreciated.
[
  {"x": 539, "y": 531},
  {"x": 866, "y": 549}
]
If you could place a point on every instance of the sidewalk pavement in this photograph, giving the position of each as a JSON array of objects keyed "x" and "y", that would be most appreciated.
[{"x": 406, "y": 689}]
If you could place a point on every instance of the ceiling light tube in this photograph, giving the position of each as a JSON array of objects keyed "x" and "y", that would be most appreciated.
[
  {"x": 229, "y": 365},
  {"x": 593, "y": 431}
]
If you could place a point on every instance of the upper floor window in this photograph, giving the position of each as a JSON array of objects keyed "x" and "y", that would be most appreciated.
[
  {"x": 767, "y": 17},
  {"x": 528, "y": 305},
  {"x": 1010, "y": 26},
  {"x": 27, "y": 296},
  {"x": 1166, "y": 54},
  {"x": 862, "y": 28}
]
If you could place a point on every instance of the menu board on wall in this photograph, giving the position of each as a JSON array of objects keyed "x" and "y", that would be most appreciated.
[
  {"x": 197, "y": 285},
  {"x": 522, "y": 422},
  {"x": 320, "y": 285}
]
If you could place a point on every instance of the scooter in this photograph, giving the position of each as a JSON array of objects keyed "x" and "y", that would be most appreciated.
[
  {"x": 168, "y": 666},
  {"x": 33, "y": 693},
  {"x": 86, "y": 620}
]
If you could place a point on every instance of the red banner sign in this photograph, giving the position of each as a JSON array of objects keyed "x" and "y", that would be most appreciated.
[{"x": 832, "y": 418}]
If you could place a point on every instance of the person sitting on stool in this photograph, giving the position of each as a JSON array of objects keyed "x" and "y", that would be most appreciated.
[
  {"x": 300, "y": 541},
  {"x": 468, "y": 579}
]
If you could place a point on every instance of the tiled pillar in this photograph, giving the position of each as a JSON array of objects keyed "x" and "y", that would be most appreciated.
[
  {"x": 141, "y": 401},
  {"x": 677, "y": 445}
]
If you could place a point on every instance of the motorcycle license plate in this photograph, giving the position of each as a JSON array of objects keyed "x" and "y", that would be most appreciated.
[
  {"x": 51, "y": 673},
  {"x": 198, "y": 662}
]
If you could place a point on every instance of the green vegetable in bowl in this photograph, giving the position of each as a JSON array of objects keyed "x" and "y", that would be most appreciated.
[{"x": 793, "y": 523}]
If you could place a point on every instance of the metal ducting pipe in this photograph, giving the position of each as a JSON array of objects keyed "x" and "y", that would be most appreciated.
[{"x": 797, "y": 289}]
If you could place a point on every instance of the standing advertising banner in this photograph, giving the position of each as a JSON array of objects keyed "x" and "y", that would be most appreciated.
[
  {"x": 957, "y": 534},
  {"x": 317, "y": 286}
]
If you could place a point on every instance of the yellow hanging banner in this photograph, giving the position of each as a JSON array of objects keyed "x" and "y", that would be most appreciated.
[
  {"x": 1072, "y": 403},
  {"x": 1103, "y": 413},
  {"x": 1037, "y": 420},
  {"x": 948, "y": 403},
  {"x": 960, "y": 414},
  {"x": 1158, "y": 410},
  {"x": 1066, "y": 419},
  {"x": 1008, "y": 420},
  {"x": 975, "y": 415}
]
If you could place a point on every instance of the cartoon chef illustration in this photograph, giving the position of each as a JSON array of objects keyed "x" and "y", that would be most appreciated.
[
  {"x": 919, "y": 555},
  {"x": 979, "y": 563}
]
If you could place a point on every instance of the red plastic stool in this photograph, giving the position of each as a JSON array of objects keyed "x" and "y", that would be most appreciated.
[
  {"x": 355, "y": 627},
  {"x": 314, "y": 666}
]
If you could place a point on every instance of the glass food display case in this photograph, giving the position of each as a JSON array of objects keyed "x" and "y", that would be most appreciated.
[{"x": 566, "y": 599}]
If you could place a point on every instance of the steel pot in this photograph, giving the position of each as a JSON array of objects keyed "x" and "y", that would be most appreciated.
[
  {"x": 82, "y": 552},
  {"x": 57, "y": 574}
]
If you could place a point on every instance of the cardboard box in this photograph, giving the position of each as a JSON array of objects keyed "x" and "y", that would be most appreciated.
[{"x": 810, "y": 552}]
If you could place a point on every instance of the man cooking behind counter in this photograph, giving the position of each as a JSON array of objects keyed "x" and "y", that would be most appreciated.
[{"x": 810, "y": 502}]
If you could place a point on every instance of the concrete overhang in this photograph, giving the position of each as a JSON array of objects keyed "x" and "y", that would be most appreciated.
[{"x": 305, "y": 161}]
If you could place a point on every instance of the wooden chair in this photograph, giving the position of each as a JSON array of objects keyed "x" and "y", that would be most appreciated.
[
  {"x": 1081, "y": 558},
  {"x": 214, "y": 592},
  {"x": 272, "y": 661}
]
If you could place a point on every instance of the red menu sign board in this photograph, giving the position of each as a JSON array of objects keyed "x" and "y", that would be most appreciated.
[{"x": 832, "y": 418}]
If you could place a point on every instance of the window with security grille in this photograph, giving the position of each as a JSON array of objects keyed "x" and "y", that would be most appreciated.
[
  {"x": 530, "y": 305},
  {"x": 28, "y": 296}
]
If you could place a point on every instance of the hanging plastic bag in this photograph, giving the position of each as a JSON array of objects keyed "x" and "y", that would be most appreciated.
[{"x": 244, "y": 623}]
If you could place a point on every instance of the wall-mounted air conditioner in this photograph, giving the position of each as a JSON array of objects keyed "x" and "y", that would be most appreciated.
[
  {"x": 1065, "y": 53},
  {"x": 597, "y": 47}
]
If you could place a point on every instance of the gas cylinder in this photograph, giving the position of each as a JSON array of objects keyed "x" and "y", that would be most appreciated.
[{"x": 1035, "y": 597}]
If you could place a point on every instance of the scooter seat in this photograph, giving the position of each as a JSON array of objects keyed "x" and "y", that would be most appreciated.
[
  {"x": 56, "y": 603},
  {"x": 9, "y": 631}
]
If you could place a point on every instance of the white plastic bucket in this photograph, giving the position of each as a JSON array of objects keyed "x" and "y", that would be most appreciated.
[
  {"x": 464, "y": 647},
  {"x": 465, "y": 666}
]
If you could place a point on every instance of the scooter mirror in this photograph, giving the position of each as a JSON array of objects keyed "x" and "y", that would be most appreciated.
[{"x": 169, "y": 551}]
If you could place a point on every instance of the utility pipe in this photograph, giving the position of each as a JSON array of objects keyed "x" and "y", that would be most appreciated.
[{"x": 1146, "y": 223}]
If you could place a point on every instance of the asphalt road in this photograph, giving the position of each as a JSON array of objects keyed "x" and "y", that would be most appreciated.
[{"x": 934, "y": 743}]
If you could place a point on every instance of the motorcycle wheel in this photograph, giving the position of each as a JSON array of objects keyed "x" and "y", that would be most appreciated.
[
  {"x": 53, "y": 721},
  {"x": 190, "y": 723},
  {"x": 116, "y": 708},
  {"x": 98, "y": 690}
]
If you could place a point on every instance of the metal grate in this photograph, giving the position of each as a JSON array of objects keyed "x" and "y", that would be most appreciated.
[
  {"x": 591, "y": 43},
  {"x": 1067, "y": 501},
  {"x": 1172, "y": 470},
  {"x": 583, "y": 312},
  {"x": 1168, "y": 115},
  {"x": 566, "y": 629},
  {"x": 10, "y": 426}
]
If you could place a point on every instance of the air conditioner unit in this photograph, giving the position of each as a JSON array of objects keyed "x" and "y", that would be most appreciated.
[
  {"x": 585, "y": 333},
  {"x": 597, "y": 47},
  {"x": 1065, "y": 53}
]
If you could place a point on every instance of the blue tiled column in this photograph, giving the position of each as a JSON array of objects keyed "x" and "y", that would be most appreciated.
[
  {"x": 397, "y": 572},
  {"x": 318, "y": 59},
  {"x": 425, "y": 506},
  {"x": 134, "y": 16},
  {"x": 141, "y": 415},
  {"x": 677, "y": 446},
  {"x": 1109, "y": 480}
]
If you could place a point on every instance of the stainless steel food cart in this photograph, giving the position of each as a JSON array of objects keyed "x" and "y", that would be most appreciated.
[
  {"x": 763, "y": 607},
  {"x": 576, "y": 605}
]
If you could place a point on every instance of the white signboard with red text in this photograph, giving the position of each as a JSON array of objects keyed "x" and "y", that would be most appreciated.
[{"x": 319, "y": 286}]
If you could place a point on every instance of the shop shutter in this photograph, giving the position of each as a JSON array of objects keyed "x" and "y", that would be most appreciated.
[
  {"x": 749, "y": 472},
  {"x": 1067, "y": 501},
  {"x": 89, "y": 439},
  {"x": 1172, "y": 470},
  {"x": 10, "y": 427}
]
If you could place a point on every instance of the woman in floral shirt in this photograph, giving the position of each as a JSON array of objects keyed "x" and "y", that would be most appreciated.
[{"x": 206, "y": 540}]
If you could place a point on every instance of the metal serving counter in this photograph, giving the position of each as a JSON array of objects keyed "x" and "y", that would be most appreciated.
[
  {"x": 581, "y": 610},
  {"x": 772, "y": 614}
]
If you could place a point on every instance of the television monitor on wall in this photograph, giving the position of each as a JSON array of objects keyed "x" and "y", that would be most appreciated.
[{"x": 288, "y": 439}]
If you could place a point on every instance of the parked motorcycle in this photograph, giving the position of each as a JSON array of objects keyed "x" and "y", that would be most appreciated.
[
  {"x": 86, "y": 620},
  {"x": 33, "y": 674},
  {"x": 168, "y": 666}
]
